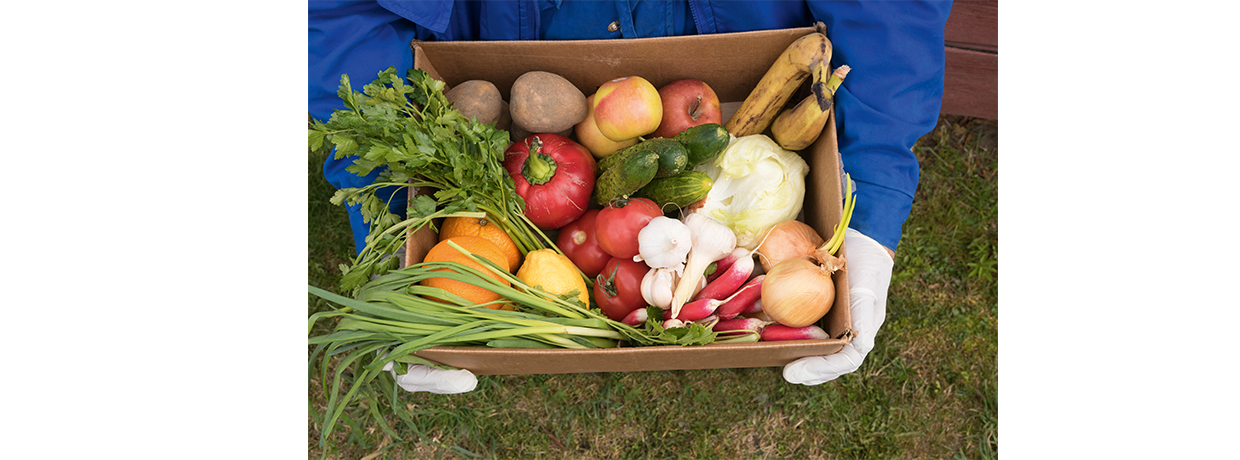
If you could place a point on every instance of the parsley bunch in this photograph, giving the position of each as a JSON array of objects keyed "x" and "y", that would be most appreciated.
[{"x": 413, "y": 135}]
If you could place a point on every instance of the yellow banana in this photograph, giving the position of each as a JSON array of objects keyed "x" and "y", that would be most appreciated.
[
  {"x": 791, "y": 69},
  {"x": 796, "y": 128}
]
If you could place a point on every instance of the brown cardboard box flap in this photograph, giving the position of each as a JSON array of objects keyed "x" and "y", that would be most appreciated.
[
  {"x": 590, "y": 63},
  {"x": 483, "y": 361},
  {"x": 732, "y": 64}
]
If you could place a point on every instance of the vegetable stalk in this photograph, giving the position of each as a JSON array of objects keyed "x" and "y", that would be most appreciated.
[{"x": 412, "y": 134}]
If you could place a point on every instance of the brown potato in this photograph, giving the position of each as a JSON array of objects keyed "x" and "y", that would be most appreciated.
[
  {"x": 505, "y": 117},
  {"x": 543, "y": 102},
  {"x": 477, "y": 99}
]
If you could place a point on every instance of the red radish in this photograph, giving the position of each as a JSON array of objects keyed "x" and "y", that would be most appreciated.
[
  {"x": 740, "y": 325},
  {"x": 744, "y": 297},
  {"x": 753, "y": 308},
  {"x": 722, "y": 265},
  {"x": 778, "y": 332},
  {"x": 636, "y": 317},
  {"x": 732, "y": 279},
  {"x": 695, "y": 310}
]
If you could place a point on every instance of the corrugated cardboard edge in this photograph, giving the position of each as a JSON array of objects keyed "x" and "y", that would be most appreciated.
[
  {"x": 745, "y": 57},
  {"x": 481, "y": 361}
]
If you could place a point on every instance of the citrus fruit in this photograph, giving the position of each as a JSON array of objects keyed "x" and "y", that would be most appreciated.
[
  {"x": 554, "y": 273},
  {"x": 477, "y": 246},
  {"x": 482, "y": 227}
]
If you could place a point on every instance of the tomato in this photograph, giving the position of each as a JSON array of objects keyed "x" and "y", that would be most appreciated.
[
  {"x": 554, "y": 175},
  {"x": 618, "y": 288},
  {"x": 578, "y": 243},
  {"x": 619, "y": 222}
]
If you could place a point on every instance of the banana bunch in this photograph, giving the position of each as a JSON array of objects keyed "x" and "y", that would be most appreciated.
[{"x": 795, "y": 128}]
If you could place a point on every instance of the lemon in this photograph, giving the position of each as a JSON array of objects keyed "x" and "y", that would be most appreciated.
[{"x": 553, "y": 272}]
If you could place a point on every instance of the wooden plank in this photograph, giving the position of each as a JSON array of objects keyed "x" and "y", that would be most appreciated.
[
  {"x": 971, "y": 84},
  {"x": 974, "y": 25}
]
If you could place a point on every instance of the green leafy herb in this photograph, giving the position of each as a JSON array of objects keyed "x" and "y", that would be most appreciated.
[
  {"x": 411, "y": 134},
  {"x": 689, "y": 334}
]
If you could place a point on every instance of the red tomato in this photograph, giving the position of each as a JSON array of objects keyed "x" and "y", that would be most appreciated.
[
  {"x": 618, "y": 288},
  {"x": 578, "y": 243},
  {"x": 620, "y": 221},
  {"x": 554, "y": 175}
]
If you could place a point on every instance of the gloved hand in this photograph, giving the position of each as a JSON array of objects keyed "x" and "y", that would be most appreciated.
[
  {"x": 434, "y": 380},
  {"x": 869, "y": 274}
]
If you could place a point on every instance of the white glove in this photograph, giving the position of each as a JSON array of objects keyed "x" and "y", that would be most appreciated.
[
  {"x": 869, "y": 274},
  {"x": 434, "y": 380}
]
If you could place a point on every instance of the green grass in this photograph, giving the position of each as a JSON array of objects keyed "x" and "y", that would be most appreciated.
[{"x": 929, "y": 389}]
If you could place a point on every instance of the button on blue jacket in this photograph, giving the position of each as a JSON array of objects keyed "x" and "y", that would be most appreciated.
[{"x": 896, "y": 45}]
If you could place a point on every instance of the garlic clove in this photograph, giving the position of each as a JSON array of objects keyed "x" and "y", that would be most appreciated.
[{"x": 657, "y": 287}]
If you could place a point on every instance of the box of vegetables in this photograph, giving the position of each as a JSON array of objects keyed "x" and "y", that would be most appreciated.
[{"x": 598, "y": 206}]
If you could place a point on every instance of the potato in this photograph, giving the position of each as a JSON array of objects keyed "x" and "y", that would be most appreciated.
[
  {"x": 477, "y": 99},
  {"x": 543, "y": 102},
  {"x": 505, "y": 117}
]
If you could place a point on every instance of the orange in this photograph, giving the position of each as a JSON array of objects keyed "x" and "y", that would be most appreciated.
[
  {"x": 481, "y": 226},
  {"x": 478, "y": 246}
]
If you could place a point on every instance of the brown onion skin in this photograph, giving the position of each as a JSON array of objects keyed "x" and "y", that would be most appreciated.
[
  {"x": 797, "y": 292},
  {"x": 789, "y": 239}
]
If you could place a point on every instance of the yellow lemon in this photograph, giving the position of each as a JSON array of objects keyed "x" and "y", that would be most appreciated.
[{"x": 553, "y": 272}]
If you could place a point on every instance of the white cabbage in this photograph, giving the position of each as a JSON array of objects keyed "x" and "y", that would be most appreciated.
[{"x": 757, "y": 184}]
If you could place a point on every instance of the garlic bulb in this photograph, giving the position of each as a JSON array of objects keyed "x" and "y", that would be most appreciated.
[
  {"x": 657, "y": 286},
  {"x": 663, "y": 243}
]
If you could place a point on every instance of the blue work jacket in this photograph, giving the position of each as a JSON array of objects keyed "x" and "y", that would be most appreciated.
[{"x": 896, "y": 45}]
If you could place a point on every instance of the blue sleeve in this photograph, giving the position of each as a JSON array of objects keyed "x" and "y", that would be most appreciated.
[
  {"x": 359, "y": 39},
  {"x": 890, "y": 98}
]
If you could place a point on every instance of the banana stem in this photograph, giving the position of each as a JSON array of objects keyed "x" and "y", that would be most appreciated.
[{"x": 837, "y": 78}]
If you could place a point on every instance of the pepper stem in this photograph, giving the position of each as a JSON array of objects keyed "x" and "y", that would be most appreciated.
[{"x": 539, "y": 168}]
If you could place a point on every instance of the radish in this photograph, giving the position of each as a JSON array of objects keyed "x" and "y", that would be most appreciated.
[
  {"x": 743, "y": 299},
  {"x": 740, "y": 325},
  {"x": 636, "y": 317},
  {"x": 695, "y": 310},
  {"x": 722, "y": 265},
  {"x": 779, "y": 332},
  {"x": 732, "y": 279},
  {"x": 753, "y": 308}
]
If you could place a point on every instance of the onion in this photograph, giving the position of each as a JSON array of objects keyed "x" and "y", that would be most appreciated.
[
  {"x": 789, "y": 239},
  {"x": 798, "y": 292}
]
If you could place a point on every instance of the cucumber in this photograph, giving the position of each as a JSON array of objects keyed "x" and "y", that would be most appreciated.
[
  {"x": 704, "y": 142},
  {"x": 673, "y": 156},
  {"x": 614, "y": 159},
  {"x": 677, "y": 192},
  {"x": 629, "y": 175}
]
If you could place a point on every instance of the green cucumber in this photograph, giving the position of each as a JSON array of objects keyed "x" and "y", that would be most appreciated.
[
  {"x": 673, "y": 156},
  {"x": 677, "y": 192},
  {"x": 704, "y": 142},
  {"x": 615, "y": 158},
  {"x": 629, "y": 175}
]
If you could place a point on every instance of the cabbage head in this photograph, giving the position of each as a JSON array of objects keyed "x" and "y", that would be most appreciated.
[{"x": 757, "y": 184}]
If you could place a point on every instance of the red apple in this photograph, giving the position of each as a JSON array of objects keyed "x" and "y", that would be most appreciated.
[
  {"x": 626, "y": 108},
  {"x": 589, "y": 136},
  {"x": 687, "y": 103}
]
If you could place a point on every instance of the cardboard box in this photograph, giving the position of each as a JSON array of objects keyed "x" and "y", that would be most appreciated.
[{"x": 732, "y": 64}]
